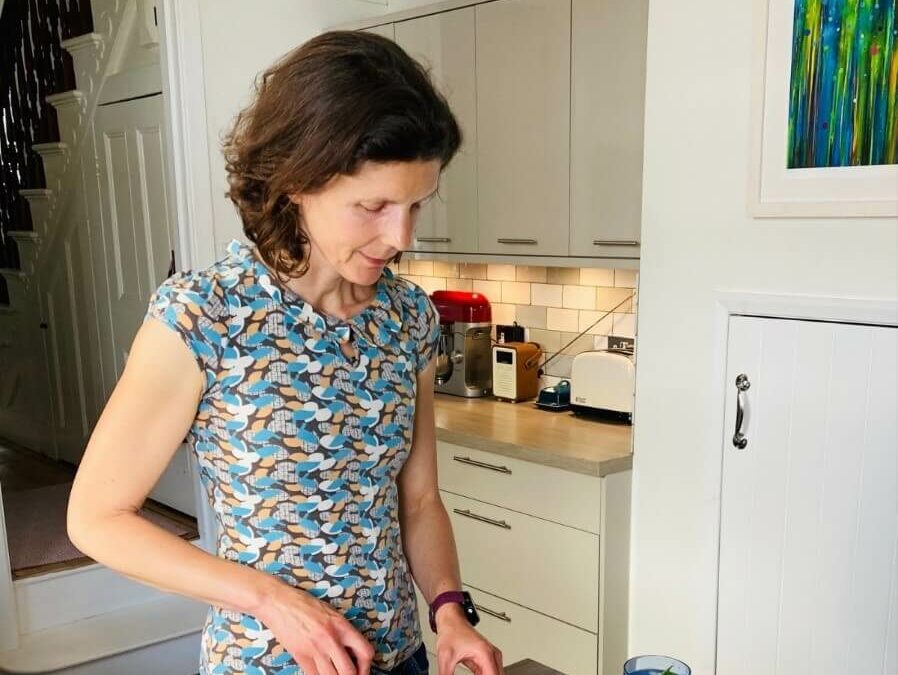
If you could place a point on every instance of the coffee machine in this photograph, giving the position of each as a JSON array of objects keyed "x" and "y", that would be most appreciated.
[{"x": 464, "y": 355}]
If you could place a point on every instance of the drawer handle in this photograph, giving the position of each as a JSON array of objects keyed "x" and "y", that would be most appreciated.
[
  {"x": 516, "y": 241},
  {"x": 433, "y": 240},
  {"x": 499, "y": 615},
  {"x": 482, "y": 519},
  {"x": 614, "y": 242},
  {"x": 482, "y": 465}
]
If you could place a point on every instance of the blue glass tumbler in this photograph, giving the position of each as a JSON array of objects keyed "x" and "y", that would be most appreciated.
[{"x": 655, "y": 665}]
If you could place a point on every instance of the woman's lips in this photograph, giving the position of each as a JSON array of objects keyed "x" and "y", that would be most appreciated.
[{"x": 377, "y": 262}]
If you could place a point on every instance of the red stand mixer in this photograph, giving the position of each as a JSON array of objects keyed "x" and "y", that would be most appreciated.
[{"x": 464, "y": 355}]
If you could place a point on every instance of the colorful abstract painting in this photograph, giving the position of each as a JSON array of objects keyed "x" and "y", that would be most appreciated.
[{"x": 843, "y": 97}]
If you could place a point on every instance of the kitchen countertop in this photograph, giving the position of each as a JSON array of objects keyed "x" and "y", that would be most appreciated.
[{"x": 523, "y": 431}]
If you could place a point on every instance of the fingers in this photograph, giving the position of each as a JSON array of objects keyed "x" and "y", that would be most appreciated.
[
  {"x": 333, "y": 651},
  {"x": 342, "y": 663},
  {"x": 487, "y": 661},
  {"x": 500, "y": 667},
  {"x": 324, "y": 665},
  {"x": 361, "y": 649},
  {"x": 307, "y": 665},
  {"x": 445, "y": 662}
]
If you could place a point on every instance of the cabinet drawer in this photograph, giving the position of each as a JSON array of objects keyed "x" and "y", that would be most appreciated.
[
  {"x": 545, "y": 566},
  {"x": 565, "y": 497},
  {"x": 523, "y": 634}
]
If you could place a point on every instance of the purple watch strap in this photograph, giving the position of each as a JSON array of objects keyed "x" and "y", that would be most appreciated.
[{"x": 442, "y": 599}]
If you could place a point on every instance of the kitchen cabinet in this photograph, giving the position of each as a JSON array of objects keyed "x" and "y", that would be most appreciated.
[
  {"x": 387, "y": 30},
  {"x": 550, "y": 95},
  {"x": 523, "y": 126},
  {"x": 809, "y": 525},
  {"x": 608, "y": 52},
  {"x": 444, "y": 44},
  {"x": 543, "y": 552}
]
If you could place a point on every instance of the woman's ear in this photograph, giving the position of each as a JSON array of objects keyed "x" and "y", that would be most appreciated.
[{"x": 295, "y": 198}]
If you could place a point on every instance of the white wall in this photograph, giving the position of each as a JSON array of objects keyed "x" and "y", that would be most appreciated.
[
  {"x": 241, "y": 39},
  {"x": 697, "y": 238}
]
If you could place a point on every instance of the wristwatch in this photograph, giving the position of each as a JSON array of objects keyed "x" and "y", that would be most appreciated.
[{"x": 463, "y": 598}]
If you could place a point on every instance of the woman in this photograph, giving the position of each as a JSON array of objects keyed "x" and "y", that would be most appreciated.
[{"x": 301, "y": 371}]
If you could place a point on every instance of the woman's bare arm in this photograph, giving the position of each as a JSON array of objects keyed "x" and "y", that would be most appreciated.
[
  {"x": 143, "y": 424},
  {"x": 430, "y": 545}
]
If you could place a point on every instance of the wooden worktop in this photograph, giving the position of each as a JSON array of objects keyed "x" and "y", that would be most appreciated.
[{"x": 523, "y": 431}]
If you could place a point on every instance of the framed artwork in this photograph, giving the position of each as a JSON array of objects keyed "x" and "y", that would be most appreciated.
[{"x": 825, "y": 140}]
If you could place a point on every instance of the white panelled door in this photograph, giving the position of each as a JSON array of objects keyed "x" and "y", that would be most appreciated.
[
  {"x": 137, "y": 241},
  {"x": 809, "y": 515}
]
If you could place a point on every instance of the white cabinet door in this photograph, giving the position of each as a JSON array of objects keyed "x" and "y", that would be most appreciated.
[
  {"x": 523, "y": 126},
  {"x": 608, "y": 51},
  {"x": 809, "y": 518},
  {"x": 444, "y": 44},
  {"x": 386, "y": 30},
  {"x": 137, "y": 235}
]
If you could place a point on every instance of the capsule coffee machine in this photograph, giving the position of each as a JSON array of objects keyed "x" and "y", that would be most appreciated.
[{"x": 464, "y": 356}]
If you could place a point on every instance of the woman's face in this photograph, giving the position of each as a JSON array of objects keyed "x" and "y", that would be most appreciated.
[{"x": 356, "y": 224}]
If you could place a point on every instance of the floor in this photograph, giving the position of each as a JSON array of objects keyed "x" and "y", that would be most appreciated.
[{"x": 23, "y": 469}]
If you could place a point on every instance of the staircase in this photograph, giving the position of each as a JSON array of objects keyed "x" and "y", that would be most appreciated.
[
  {"x": 55, "y": 58},
  {"x": 53, "y": 54}
]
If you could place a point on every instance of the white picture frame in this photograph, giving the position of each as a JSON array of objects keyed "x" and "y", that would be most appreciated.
[{"x": 777, "y": 191}]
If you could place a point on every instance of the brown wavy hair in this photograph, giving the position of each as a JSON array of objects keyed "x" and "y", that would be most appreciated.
[{"x": 334, "y": 102}]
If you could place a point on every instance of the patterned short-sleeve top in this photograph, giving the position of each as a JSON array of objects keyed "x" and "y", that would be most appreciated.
[{"x": 299, "y": 447}]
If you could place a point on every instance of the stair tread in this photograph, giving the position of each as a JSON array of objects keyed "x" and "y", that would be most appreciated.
[
  {"x": 53, "y": 145},
  {"x": 65, "y": 96},
  {"x": 81, "y": 41},
  {"x": 108, "y": 634}
]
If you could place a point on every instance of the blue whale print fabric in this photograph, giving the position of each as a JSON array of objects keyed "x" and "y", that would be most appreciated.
[{"x": 299, "y": 446}]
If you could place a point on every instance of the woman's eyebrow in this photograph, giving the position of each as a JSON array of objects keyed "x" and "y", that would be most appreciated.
[{"x": 390, "y": 201}]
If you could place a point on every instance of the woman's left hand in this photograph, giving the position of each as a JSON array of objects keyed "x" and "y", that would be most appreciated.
[{"x": 459, "y": 643}]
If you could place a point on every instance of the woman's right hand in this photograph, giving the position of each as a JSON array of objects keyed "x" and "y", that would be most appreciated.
[{"x": 318, "y": 637}]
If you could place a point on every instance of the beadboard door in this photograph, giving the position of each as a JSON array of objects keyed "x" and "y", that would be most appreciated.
[
  {"x": 809, "y": 515},
  {"x": 137, "y": 243}
]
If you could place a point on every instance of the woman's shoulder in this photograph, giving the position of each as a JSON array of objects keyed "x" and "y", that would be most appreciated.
[
  {"x": 203, "y": 291},
  {"x": 408, "y": 295}
]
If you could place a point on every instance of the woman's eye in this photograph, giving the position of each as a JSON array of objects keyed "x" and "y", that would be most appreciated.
[{"x": 372, "y": 209}]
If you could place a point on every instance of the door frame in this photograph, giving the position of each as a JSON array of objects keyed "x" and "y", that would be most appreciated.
[
  {"x": 189, "y": 175},
  {"x": 727, "y": 303},
  {"x": 190, "y": 213}
]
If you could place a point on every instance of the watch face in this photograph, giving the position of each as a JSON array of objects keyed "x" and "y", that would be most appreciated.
[{"x": 470, "y": 609}]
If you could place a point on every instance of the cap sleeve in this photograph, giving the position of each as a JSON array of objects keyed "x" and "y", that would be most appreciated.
[
  {"x": 191, "y": 304},
  {"x": 425, "y": 328}
]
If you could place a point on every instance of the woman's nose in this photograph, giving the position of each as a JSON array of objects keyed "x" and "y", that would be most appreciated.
[{"x": 400, "y": 229}]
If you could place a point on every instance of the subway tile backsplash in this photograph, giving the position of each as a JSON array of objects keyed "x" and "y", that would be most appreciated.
[{"x": 553, "y": 304}]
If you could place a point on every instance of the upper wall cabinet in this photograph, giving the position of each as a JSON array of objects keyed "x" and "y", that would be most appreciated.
[
  {"x": 550, "y": 95},
  {"x": 386, "y": 30},
  {"x": 444, "y": 44},
  {"x": 523, "y": 126},
  {"x": 607, "y": 102}
]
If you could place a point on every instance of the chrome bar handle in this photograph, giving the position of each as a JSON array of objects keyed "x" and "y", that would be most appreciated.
[
  {"x": 742, "y": 384},
  {"x": 433, "y": 240},
  {"x": 499, "y": 615},
  {"x": 517, "y": 241},
  {"x": 614, "y": 242},
  {"x": 482, "y": 519},
  {"x": 482, "y": 465}
]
